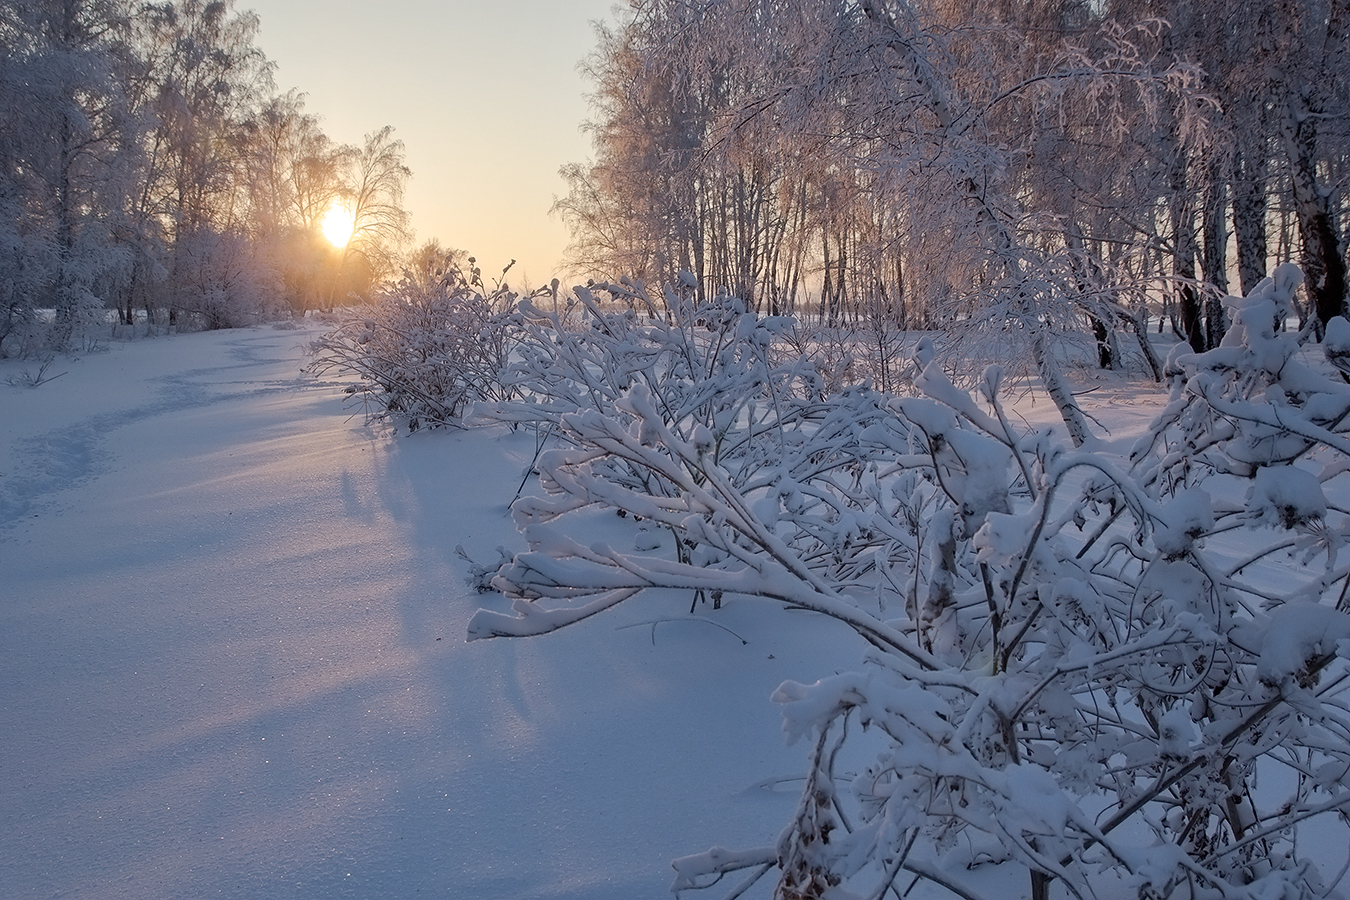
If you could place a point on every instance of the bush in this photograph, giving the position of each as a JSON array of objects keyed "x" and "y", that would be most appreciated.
[
  {"x": 220, "y": 281},
  {"x": 425, "y": 350},
  {"x": 1075, "y": 664}
]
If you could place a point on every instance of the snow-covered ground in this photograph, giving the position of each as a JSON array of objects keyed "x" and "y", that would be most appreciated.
[{"x": 232, "y": 659}]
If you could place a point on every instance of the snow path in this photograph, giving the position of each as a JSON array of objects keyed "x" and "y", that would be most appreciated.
[{"x": 232, "y": 659}]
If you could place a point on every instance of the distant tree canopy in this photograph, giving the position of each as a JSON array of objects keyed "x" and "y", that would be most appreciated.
[
  {"x": 148, "y": 165},
  {"x": 898, "y": 159}
]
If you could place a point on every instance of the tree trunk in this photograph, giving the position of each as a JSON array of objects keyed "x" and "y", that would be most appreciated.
[
  {"x": 1105, "y": 358},
  {"x": 1181, "y": 211},
  {"x": 1324, "y": 270},
  {"x": 1214, "y": 257},
  {"x": 1099, "y": 314},
  {"x": 1250, "y": 169},
  {"x": 1155, "y": 365},
  {"x": 1055, "y": 386},
  {"x": 67, "y": 289}
]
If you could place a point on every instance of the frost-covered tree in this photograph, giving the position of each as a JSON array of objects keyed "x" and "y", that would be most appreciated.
[
  {"x": 1311, "y": 92},
  {"x": 72, "y": 144},
  {"x": 202, "y": 78},
  {"x": 372, "y": 179},
  {"x": 293, "y": 177},
  {"x": 885, "y": 151},
  {"x": 27, "y": 247},
  {"x": 221, "y": 279},
  {"x": 1277, "y": 74}
]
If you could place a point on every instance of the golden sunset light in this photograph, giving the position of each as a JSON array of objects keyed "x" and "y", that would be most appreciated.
[
  {"x": 488, "y": 198},
  {"x": 394, "y": 337},
  {"x": 338, "y": 224}
]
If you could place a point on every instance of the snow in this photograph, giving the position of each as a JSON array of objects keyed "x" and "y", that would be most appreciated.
[
  {"x": 1299, "y": 634},
  {"x": 1286, "y": 496},
  {"x": 1189, "y": 514},
  {"x": 234, "y": 662},
  {"x": 233, "y": 658}
]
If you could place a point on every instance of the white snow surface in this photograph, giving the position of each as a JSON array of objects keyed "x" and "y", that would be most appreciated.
[{"x": 233, "y": 659}]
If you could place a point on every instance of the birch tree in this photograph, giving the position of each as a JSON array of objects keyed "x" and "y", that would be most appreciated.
[
  {"x": 1277, "y": 71},
  {"x": 205, "y": 79},
  {"x": 74, "y": 147},
  {"x": 373, "y": 177},
  {"x": 893, "y": 137}
]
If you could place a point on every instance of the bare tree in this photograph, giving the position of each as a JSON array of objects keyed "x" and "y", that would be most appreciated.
[
  {"x": 293, "y": 178},
  {"x": 373, "y": 179}
]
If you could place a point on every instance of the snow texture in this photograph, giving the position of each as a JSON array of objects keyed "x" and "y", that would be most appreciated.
[
  {"x": 232, "y": 650},
  {"x": 1298, "y": 635}
]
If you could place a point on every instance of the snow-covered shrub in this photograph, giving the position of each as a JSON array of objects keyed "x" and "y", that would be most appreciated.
[
  {"x": 708, "y": 364},
  {"x": 17, "y": 321},
  {"x": 686, "y": 376},
  {"x": 1112, "y": 674},
  {"x": 873, "y": 351},
  {"x": 26, "y": 264},
  {"x": 425, "y": 350}
]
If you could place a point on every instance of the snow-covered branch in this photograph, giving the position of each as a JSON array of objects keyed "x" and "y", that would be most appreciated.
[{"x": 1057, "y": 644}]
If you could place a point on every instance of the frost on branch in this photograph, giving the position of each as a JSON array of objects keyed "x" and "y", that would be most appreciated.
[{"x": 1092, "y": 671}]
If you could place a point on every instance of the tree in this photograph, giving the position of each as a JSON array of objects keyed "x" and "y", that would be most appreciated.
[
  {"x": 634, "y": 212},
  {"x": 27, "y": 246},
  {"x": 373, "y": 179},
  {"x": 203, "y": 80},
  {"x": 1277, "y": 71},
  {"x": 73, "y": 143},
  {"x": 207, "y": 78},
  {"x": 1313, "y": 88},
  {"x": 293, "y": 179},
  {"x": 293, "y": 167},
  {"x": 429, "y": 262}
]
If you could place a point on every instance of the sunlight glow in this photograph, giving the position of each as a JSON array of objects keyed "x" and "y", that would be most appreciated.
[{"x": 338, "y": 224}]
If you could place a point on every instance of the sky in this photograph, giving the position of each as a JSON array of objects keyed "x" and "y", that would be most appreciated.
[{"x": 486, "y": 97}]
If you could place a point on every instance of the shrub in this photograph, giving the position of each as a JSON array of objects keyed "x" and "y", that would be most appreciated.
[
  {"x": 1075, "y": 664},
  {"x": 425, "y": 350}
]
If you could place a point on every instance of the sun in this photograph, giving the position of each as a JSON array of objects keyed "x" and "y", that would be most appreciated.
[{"x": 338, "y": 224}]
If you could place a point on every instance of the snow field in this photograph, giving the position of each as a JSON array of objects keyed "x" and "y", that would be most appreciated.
[{"x": 233, "y": 660}]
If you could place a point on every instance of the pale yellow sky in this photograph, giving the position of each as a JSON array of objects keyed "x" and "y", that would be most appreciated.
[{"x": 485, "y": 95}]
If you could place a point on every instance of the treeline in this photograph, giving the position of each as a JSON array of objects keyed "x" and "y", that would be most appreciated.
[
  {"x": 148, "y": 165},
  {"x": 959, "y": 165}
]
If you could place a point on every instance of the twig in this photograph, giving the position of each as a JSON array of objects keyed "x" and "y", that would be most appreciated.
[{"x": 655, "y": 622}]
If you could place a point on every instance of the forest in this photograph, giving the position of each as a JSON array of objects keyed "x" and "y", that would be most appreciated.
[
  {"x": 153, "y": 175},
  {"x": 1076, "y": 166}
]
